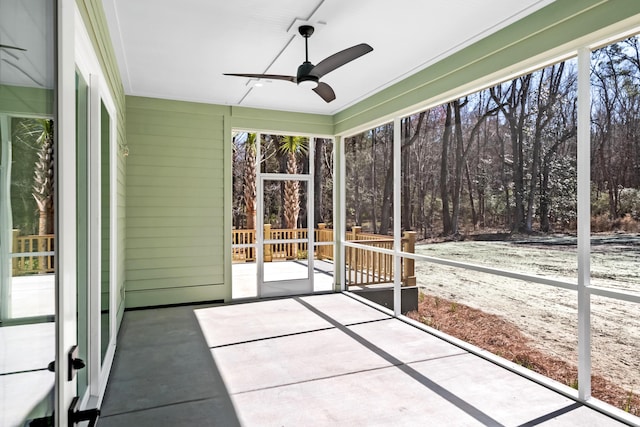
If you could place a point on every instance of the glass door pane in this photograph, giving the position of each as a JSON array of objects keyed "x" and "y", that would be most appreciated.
[
  {"x": 27, "y": 214},
  {"x": 245, "y": 199},
  {"x": 82, "y": 230},
  {"x": 105, "y": 230},
  {"x": 32, "y": 215},
  {"x": 286, "y": 237},
  {"x": 323, "y": 262}
]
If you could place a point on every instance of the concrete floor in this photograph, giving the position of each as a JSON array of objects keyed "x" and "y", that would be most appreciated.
[
  {"x": 26, "y": 386},
  {"x": 322, "y": 360},
  {"x": 32, "y": 295}
]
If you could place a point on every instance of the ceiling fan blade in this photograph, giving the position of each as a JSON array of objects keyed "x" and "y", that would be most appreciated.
[
  {"x": 339, "y": 59},
  {"x": 264, "y": 76},
  {"x": 6, "y": 46},
  {"x": 325, "y": 92}
]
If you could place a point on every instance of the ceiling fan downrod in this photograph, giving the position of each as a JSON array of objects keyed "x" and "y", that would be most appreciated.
[{"x": 306, "y": 31}]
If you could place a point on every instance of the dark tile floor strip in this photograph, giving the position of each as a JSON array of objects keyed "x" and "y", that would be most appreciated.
[
  {"x": 293, "y": 334},
  {"x": 152, "y": 382}
]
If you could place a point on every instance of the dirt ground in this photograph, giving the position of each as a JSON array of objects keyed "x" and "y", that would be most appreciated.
[
  {"x": 503, "y": 338},
  {"x": 546, "y": 315}
]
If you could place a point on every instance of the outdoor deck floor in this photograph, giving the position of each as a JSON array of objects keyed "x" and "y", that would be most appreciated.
[
  {"x": 245, "y": 275},
  {"x": 321, "y": 360}
]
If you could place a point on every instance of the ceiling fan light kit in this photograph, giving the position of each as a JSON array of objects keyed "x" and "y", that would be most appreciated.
[{"x": 309, "y": 75}]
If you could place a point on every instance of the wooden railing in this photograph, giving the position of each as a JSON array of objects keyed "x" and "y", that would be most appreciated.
[
  {"x": 367, "y": 267},
  {"x": 22, "y": 262},
  {"x": 284, "y": 250},
  {"x": 363, "y": 266},
  {"x": 243, "y": 237},
  {"x": 324, "y": 234}
]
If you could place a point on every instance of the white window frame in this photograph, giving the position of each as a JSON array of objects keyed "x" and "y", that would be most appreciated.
[
  {"x": 308, "y": 179},
  {"x": 89, "y": 67}
]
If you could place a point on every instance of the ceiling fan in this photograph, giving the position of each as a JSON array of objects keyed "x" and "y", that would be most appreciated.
[{"x": 309, "y": 74}]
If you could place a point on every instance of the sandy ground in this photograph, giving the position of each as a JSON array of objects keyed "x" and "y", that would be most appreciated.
[{"x": 546, "y": 314}]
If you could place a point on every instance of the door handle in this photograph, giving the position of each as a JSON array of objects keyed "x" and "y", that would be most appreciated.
[{"x": 74, "y": 362}]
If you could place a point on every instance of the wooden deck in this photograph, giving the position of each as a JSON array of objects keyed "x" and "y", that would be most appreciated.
[{"x": 363, "y": 266}]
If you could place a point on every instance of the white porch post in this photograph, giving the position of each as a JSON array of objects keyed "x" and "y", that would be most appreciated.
[
  {"x": 339, "y": 213},
  {"x": 397, "y": 217},
  {"x": 259, "y": 220},
  {"x": 584, "y": 223}
]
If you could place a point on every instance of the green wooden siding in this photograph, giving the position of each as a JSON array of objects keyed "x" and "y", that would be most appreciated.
[
  {"x": 175, "y": 202},
  {"x": 26, "y": 100}
]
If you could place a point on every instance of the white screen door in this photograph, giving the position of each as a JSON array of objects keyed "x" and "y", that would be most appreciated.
[{"x": 285, "y": 235}]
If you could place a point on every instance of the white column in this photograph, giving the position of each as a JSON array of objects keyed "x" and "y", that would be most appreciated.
[
  {"x": 584, "y": 223},
  {"x": 397, "y": 217},
  {"x": 259, "y": 219},
  {"x": 339, "y": 214},
  {"x": 311, "y": 237}
]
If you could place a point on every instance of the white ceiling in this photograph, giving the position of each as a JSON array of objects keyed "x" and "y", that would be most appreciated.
[{"x": 180, "y": 49}]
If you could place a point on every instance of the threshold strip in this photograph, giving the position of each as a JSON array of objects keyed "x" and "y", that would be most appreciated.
[
  {"x": 292, "y": 334},
  {"x": 150, "y": 408},
  {"x": 345, "y": 374},
  {"x": 431, "y": 385}
]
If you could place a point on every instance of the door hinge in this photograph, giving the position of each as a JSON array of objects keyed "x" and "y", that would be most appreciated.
[
  {"x": 42, "y": 422},
  {"x": 76, "y": 416}
]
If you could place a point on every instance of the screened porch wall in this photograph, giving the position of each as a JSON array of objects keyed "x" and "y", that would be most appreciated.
[
  {"x": 161, "y": 269},
  {"x": 179, "y": 193}
]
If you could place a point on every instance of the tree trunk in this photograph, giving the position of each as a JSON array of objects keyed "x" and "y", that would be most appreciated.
[
  {"x": 514, "y": 108},
  {"x": 474, "y": 214},
  {"x": 250, "y": 182},
  {"x": 386, "y": 211},
  {"x": 544, "y": 199},
  {"x": 406, "y": 205},
  {"x": 43, "y": 187},
  {"x": 444, "y": 168},
  {"x": 291, "y": 195},
  {"x": 317, "y": 182},
  {"x": 459, "y": 162}
]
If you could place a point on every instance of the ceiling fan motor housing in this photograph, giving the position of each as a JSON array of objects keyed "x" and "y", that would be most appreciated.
[{"x": 304, "y": 75}]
